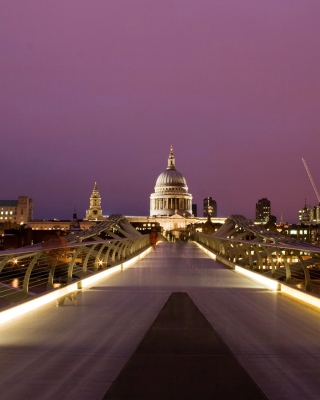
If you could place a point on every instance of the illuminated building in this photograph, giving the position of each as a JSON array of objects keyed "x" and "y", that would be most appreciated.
[
  {"x": 306, "y": 214},
  {"x": 17, "y": 211}
]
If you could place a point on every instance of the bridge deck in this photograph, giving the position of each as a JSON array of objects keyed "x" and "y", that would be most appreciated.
[{"x": 78, "y": 351}]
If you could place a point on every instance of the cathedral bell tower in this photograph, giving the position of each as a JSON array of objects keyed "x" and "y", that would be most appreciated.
[{"x": 95, "y": 211}]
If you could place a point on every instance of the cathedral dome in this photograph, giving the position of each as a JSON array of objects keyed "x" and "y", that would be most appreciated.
[
  {"x": 171, "y": 177},
  {"x": 171, "y": 192}
]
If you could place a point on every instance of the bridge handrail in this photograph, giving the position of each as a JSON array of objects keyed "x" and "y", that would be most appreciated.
[
  {"x": 57, "y": 265},
  {"x": 275, "y": 256}
]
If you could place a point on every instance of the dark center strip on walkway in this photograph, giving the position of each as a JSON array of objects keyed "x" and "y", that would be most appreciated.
[{"x": 182, "y": 357}]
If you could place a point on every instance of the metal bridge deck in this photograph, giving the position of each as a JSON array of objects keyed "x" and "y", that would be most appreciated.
[{"x": 76, "y": 352}]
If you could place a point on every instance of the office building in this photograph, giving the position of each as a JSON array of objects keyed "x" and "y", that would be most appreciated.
[
  {"x": 263, "y": 210},
  {"x": 209, "y": 207}
]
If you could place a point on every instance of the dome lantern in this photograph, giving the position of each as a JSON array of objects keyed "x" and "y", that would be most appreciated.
[{"x": 171, "y": 160}]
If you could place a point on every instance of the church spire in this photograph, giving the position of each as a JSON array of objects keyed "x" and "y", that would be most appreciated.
[
  {"x": 171, "y": 159},
  {"x": 95, "y": 210},
  {"x": 95, "y": 192}
]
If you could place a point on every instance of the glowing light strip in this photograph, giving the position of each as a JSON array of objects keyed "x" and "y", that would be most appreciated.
[
  {"x": 267, "y": 282},
  {"x": 303, "y": 296},
  {"x": 31, "y": 305},
  {"x": 209, "y": 253}
]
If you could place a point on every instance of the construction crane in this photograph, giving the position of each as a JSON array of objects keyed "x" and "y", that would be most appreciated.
[{"x": 311, "y": 180}]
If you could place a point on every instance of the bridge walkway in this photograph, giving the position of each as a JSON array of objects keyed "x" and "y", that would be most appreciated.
[{"x": 78, "y": 351}]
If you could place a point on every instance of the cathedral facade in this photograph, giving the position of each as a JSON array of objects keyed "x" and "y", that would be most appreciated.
[{"x": 171, "y": 195}]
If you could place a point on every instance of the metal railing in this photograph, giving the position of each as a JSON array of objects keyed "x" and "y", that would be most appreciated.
[
  {"x": 27, "y": 272},
  {"x": 239, "y": 242}
]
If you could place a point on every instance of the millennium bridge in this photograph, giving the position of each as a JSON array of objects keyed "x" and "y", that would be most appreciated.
[{"x": 107, "y": 313}]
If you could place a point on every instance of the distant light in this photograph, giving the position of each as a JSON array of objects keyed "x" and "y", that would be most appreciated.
[{"x": 15, "y": 283}]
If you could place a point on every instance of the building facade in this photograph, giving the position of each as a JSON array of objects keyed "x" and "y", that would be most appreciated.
[
  {"x": 171, "y": 195},
  {"x": 16, "y": 211}
]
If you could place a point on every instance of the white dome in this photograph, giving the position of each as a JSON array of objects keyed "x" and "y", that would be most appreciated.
[{"x": 171, "y": 177}]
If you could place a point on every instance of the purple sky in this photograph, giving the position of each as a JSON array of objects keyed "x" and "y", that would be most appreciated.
[{"x": 98, "y": 90}]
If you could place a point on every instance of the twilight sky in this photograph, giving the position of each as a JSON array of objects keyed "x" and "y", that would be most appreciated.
[{"x": 98, "y": 90}]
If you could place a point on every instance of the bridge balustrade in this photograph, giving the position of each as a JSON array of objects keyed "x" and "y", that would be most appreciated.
[
  {"x": 240, "y": 242},
  {"x": 25, "y": 273}
]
